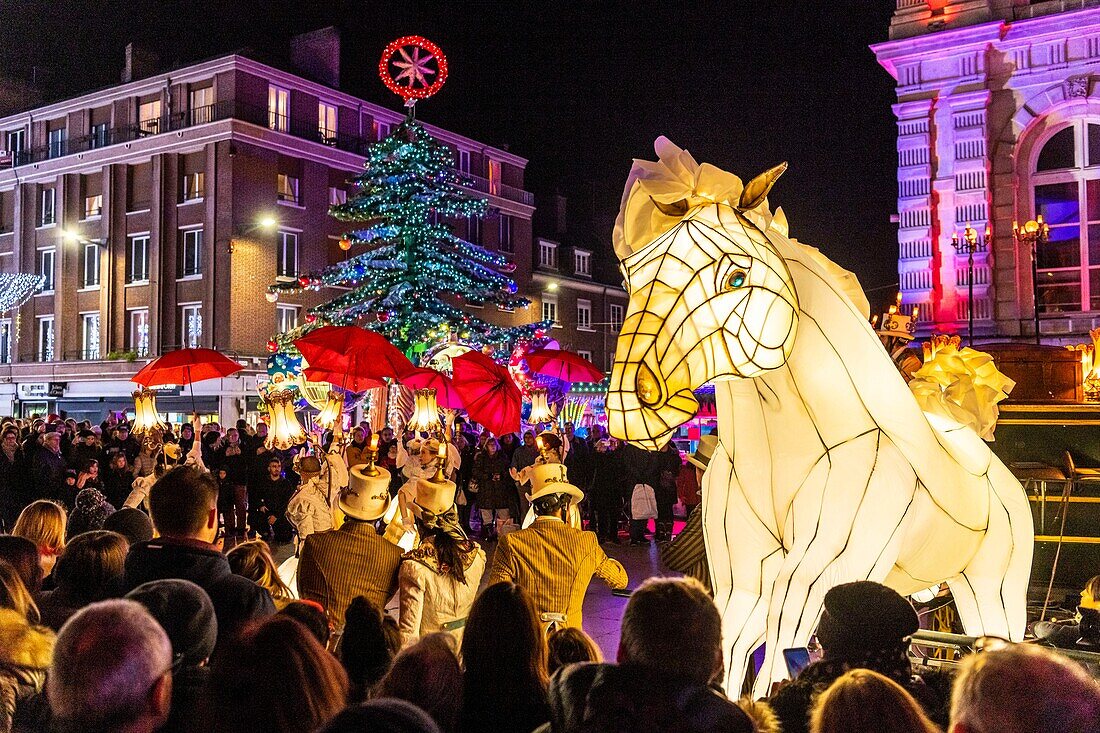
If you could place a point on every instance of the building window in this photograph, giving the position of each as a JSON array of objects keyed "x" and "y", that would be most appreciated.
[
  {"x": 615, "y": 317},
  {"x": 89, "y": 329},
  {"x": 381, "y": 130},
  {"x": 137, "y": 259},
  {"x": 55, "y": 140},
  {"x": 287, "y": 188},
  {"x": 1065, "y": 185},
  {"x": 194, "y": 186},
  {"x": 5, "y": 340},
  {"x": 548, "y": 254},
  {"x": 139, "y": 331},
  {"x": 286, "y": 318},
  {"x": 473, "y": 229},
  {"x": 16, "y": 142},
  {"x": 91, "y": 265},
  {"x": 98, "y": 136},
  {"x": 47, "y": 214},
  {"x": 45, "y": 338},
  {"x": 586, "y": 355},
  {"x": 149, "y": 117},
  {"x": 93, "y": 206},
  {"x": 337, "y": 196},
  {"x": 286, "y": 255},
  {"x": 494, "y": 177},
  {"x": 326, "y": 122},
  {"x": 582, "y": 262},
  {"x": 278, "y": 108},
  {"x": 505, "y": 242},
  {"x": 191, "y": 326},
  {"x": 464, "y": 161},
  {"x": 201, "y": 106},
  {"x": 584, "y": 315},
  {"x": 46, "y": 269},
  {"x": 190, "y": 263},
  {"x": 550, "y": 309}
]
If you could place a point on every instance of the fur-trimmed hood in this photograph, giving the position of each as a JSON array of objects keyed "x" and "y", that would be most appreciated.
[{"x": 24, "y": 645}]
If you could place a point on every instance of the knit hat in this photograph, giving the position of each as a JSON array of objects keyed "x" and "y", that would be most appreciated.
[
  {"x": 185, "y": 613},
  {"x": 90, "y": 511},
  {"x": 385, "y": 714},
  {"x": 133, "y": 524},
  {"x": 863, "y": 617},
  {"x": 309, "y": 464}
]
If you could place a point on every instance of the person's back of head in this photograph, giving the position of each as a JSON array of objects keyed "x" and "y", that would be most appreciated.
[
  {"x": 428, "y": 675},
  {"x": 186, "y": 614},
  {"x": 503, "y": 647},
  {"x": 570, "y": 645},
  {"x": 275, "y": 676},
  {"x": 92, "y": 566},
  {"x": 133, "y": 524},
  {"x": 672, "y": 624},
  {"x": 111, "y": 670},
  {"x": 184, "y": 503},
  {"x": 384, "y": 715},
  {"x": 1023, "y": 688},
  {"x": 311, "y": 615},
  {"x": 252, "y": 559},
  {"x": 365, "y": 649},
  {"x": 14, "y": 594},
  {"x": 862, "y": 700},
  {"x": 43, "y": 523},
  {"x": 22, "y": 554}
]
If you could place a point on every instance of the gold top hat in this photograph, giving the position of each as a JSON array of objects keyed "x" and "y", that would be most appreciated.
[
  {"x": 367, "y": 497},
  {"x": 702, "y": 455},
  {"x": 552, "y": 478},
  {"x": 895, "y": 323},
  {"x": 434, "y": 496}
]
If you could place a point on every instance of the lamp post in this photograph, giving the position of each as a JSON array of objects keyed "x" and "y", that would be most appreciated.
[
  {"x": 1033, "y": 233},
  {"x": 970, "y": 243}
]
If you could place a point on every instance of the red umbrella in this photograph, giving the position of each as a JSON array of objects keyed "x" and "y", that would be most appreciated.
[
  {"x": 339, "y": 379},
  {"x": 350, "y": 351},
  {"x": 563, "y": 365},
  {"x": 185, "y": 366},
  {"x": 445, "y": 393},
  {"x": 488, "y": 392}
]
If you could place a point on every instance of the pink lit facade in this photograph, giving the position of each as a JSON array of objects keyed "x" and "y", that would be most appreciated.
[{"x": 998, "y": 118}]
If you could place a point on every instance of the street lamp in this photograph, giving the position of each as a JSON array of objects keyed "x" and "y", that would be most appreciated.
[
  {"x": 970, "y": 243},
  {"x": 1033, "y": 233}
]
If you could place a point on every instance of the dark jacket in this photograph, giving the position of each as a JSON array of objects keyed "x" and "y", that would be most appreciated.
[
  {"x": 611, "y": 698},
  {"x": 237, "y": 600},
  {"x": 608, "y": 478},
  {"x": 494, "y": 484},
  {"x": 15, "y": 487},
  {"x": 49, "y": 476}
]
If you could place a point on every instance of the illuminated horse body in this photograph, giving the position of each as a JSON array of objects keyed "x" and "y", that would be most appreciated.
[{"x": 827, "y": 470}]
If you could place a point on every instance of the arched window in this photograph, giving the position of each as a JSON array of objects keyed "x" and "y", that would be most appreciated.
[{"x": 1065, "y": 183}]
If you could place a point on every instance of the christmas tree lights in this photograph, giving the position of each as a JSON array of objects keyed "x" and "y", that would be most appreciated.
[{"x": 408, "y": 271}]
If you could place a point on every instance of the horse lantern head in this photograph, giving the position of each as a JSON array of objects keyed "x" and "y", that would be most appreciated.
[{"x": 710, "y": 299}]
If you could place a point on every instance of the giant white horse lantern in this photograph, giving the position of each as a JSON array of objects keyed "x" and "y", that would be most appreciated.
[{"x": 827, "y": 471}]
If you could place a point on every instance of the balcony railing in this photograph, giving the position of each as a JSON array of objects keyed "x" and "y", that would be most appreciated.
[{"x": 305, "y": 129}]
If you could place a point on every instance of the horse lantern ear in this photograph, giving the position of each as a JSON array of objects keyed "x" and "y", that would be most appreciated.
[
  {"x": 675, "y": 209},
  {"x": 757, "y": 189}
]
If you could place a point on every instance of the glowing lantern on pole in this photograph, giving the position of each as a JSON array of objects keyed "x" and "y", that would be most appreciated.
[
  {"x": 333, "y": 410},
  {"x": 146, "y": 418},
  {"x": 285, "y": 430},
  {"x": 425, "y": 417},
  {"x": 540, "y": 407}
]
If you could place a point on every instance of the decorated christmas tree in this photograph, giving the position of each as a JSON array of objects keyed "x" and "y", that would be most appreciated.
[{"x": 411, "y": 272}]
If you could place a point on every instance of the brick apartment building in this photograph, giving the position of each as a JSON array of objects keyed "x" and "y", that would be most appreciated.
[{"x": 159, "y": 209}]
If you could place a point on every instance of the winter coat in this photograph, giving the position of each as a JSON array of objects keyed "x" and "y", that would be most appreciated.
[
  {"x": 431, "y": 599},
  {"x": 48, "y": 469},
  {"x": 117, "y": 485},
  {"x": 25, "y": 653},
  {"x": 613, "y": 698},
  {"x": 356, "y": 453},
  {"x": 608, "y": 481},
  {"x": 15, "y": 488},
  {"x": 237, "y": 600},
  {"x": 494, "y": 485},
  {"x": 310, "y": 510}
]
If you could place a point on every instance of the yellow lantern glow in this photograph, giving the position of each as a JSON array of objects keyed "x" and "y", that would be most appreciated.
[
  {"x": 425, "y": 417},
  {"x": 285, "y": 430},
  {"x": 333, "y": 410},
  {"x": 146, "y": 418},
  {"x": 540, "y": 408}
]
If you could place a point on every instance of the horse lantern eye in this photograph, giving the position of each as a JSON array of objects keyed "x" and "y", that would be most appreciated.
[{"x": 736, "y": 279}]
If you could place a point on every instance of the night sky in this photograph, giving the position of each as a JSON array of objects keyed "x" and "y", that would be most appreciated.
[{"x": 578, "y": 88}]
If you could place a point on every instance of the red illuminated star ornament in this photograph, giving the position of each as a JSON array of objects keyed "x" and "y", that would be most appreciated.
[{"x": 413, "y": 68}]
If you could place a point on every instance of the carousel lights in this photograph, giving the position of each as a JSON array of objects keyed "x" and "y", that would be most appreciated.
[
  {"x": 425, "y": 417},
  {"x": 146, "y": 417},
  {"x": 285, "y": 431},
  {"x": 332, "y": 412},
  {"x": 540, "y": 407}
]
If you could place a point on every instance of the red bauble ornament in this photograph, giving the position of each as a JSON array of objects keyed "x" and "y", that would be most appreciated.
[
  {"x": 311, "y": 317},
  {"x": 412, "y": 67},
  {"x": 345, "y": 243},
  {"x": 383, "y": 317},
  {"x": 303, "y": 281},
  {"x": 272, "y": 346}
]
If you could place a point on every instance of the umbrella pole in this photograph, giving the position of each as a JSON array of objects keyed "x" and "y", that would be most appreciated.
[{"x": 191, "y": 386}]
